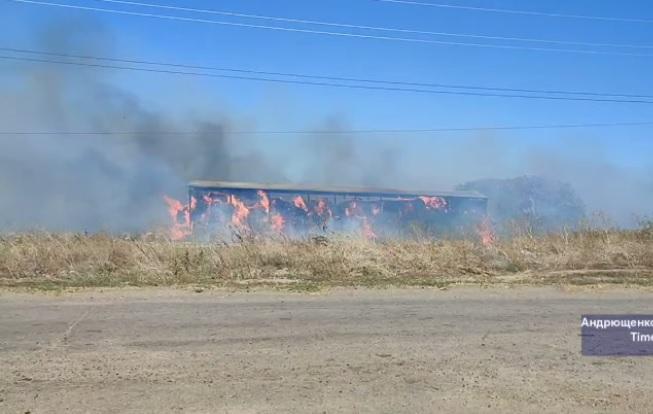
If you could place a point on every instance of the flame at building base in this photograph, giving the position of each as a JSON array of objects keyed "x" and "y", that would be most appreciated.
[
  {"x": 221, "y": 213},
  {"x": 180, "y": 213}
]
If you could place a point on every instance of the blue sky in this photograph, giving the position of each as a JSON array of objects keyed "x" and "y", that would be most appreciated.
[{"x": 273, "y": 106}]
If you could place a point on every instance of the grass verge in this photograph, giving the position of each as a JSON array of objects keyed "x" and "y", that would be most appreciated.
[{"x": 56, "y": 261}]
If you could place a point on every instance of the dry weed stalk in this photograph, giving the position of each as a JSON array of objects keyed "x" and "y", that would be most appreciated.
[{"x": 104, "y": 260}]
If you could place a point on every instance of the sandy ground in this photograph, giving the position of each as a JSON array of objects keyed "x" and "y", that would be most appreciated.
[{"x": 461, "y": 350}]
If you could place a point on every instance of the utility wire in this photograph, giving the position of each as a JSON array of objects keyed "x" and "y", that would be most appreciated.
[
  {"x": 341, "y": 131},
  {"x": 329, "y": 33},
  {"x": 336, "y": 78},
  {"x": 522, "y": 12},
  {"x": 329, "y": 84},
  {"x": 376, "y": 28}
]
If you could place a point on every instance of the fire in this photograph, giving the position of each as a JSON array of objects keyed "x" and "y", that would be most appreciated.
[
  {"x": 269, "y": 213},
  {"x": 355, "y": 211},
  {"x": 323, "y": 211},
  {"x": 265, "y": 200},
  {"x": 299, "y": 203},
  {"x": 182, "y": 226},
  {"x": 277, "y": 222},
  {"x": 434, "y": 203},
  {"x": 322, "y": 208},
  {"x": 241, "y": 212},
  {"x": 486, "y": 232},
  {"x": 210, "y": 200}
]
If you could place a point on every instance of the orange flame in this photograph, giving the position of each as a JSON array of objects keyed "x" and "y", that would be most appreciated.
[
  {"x": 241, "y": 212},
  {"x": 265, "y": 200},
  {"x": 486, "y": 232},
  {"x": 211, "y": 200},
  {"x": 225, "y": 207},
  {"x": 277, "y": 222},
  {"x": 322, "y": 208},
  {"x": 434, "y": 203},
  {"x": 299, "y": 203},
  {"x": 182, "y": 226}
]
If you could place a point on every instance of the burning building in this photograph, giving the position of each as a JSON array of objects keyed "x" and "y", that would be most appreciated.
[{"x": 218, "y": 209}]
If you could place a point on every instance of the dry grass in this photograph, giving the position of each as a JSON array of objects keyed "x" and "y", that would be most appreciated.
[{"x": 67, "y": 260}]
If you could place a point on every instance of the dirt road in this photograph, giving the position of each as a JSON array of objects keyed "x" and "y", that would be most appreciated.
[{"x": 462, "y": 350}]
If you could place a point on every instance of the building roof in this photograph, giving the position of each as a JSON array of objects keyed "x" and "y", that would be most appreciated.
[{"x": 221, "y": 185}]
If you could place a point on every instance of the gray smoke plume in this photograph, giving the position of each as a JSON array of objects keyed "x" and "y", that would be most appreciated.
[
  {"x": 89, "y": 182},
  {"x": 338, "y": 158},
  {"x": 116, "y": 182},
  {"x": 623, "y": 194},
  {"x": 96, "y": 182},
  {"x": 534, "y": 203}
]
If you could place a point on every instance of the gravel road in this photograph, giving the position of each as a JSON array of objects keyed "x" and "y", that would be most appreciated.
[{"x": 397, "y": 350}]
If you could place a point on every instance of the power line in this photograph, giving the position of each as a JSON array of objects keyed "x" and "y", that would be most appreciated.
[
  {"x": 340, "y": 34},
  {"x": 329, "y": 84},
  {"x": 376, "y": 28},
  {"x": 321, "y": 77},
  {"x": 341, "y": 131},
  {"x": 522, "y": 12}
]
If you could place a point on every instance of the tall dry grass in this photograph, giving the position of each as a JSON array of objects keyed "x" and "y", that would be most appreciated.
[{"x": 586, "y": 256}]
